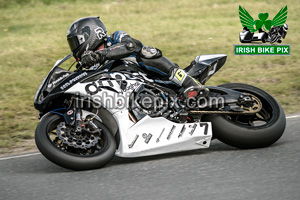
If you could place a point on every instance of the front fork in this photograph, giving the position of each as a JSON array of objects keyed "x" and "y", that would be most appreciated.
[
  {"x": 78, "y": 114},
  {"x": 74, "y": 116},
  {"x": 78, "y": 120},
  {"x": 79, "y": 124}
]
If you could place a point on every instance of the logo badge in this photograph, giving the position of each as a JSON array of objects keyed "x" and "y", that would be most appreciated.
[
  {"x": 70, "y": 112},
  {"x": 100, "y": 33},
  {"x": 263, "y": 30}
]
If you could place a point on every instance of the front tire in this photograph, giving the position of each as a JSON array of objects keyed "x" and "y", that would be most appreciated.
[
  {"x": 250, "y": 131},
  {"x": 70, "y": 157}
]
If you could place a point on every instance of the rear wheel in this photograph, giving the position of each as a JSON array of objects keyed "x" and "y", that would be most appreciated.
[
  {"x": 264, "y": 38},
  {"x": 250, "y": 131},
  {"x": 60, "y": 144}
]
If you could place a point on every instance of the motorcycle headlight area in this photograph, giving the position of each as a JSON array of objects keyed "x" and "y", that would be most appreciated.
[{"x": 52, "y": 80}]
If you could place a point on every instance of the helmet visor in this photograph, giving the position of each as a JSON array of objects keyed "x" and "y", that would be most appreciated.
[{"x": 75, "y": 41}]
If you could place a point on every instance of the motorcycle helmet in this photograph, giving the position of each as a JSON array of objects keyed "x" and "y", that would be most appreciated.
[
  {"x": 285, "y": 27},
  {"x": 86, "y": 34}
]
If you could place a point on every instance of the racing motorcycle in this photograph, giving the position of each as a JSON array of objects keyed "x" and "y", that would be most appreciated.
[{"x": 88, "y": 116}]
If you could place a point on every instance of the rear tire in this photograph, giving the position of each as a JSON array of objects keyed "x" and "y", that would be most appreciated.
[
  {"x": 264, "y": 38},
  {"x": 241, "y": 131},
  {"x": 67, "y": 159}
]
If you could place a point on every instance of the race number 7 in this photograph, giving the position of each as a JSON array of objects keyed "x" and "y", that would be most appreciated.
[{"x": 205, "y": 127}]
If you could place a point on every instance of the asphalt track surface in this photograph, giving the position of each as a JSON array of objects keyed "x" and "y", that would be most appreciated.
[{"x": 220, "y": 172}]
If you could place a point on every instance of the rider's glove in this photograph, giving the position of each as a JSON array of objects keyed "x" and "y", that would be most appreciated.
[{"x": 90, "y": 58}]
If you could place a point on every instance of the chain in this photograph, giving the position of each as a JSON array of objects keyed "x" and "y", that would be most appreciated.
[{"x": 254, "y": 109}]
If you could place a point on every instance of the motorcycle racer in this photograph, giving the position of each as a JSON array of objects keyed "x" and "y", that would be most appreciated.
[{"x": 89, "y": 43}]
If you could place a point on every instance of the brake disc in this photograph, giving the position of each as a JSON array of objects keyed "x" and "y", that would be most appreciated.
[{"x": 82, "y": 140}]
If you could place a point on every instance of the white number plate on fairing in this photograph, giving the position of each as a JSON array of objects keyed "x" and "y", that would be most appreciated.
[{"x": 151, "y": 136}]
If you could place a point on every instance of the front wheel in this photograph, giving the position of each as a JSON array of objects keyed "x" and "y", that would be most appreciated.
[
  {"x": 250, "y": 131},
  {"x": 60, "y": 143}
]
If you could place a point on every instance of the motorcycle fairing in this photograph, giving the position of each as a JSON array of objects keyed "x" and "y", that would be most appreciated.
[
  {"x": 176, "y": 136},
  {"x": 152, "y": 136},
  {"x": 43, "y": 86}
]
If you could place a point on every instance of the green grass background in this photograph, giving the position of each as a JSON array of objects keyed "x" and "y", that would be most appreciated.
[{"x": 33, "y": 37}]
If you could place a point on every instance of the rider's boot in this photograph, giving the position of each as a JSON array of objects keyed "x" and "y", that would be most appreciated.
[{"x": 192, "y": 87}]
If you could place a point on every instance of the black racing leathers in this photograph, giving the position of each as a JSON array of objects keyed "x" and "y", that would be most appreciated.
[{"x": 120, "y": 45}]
